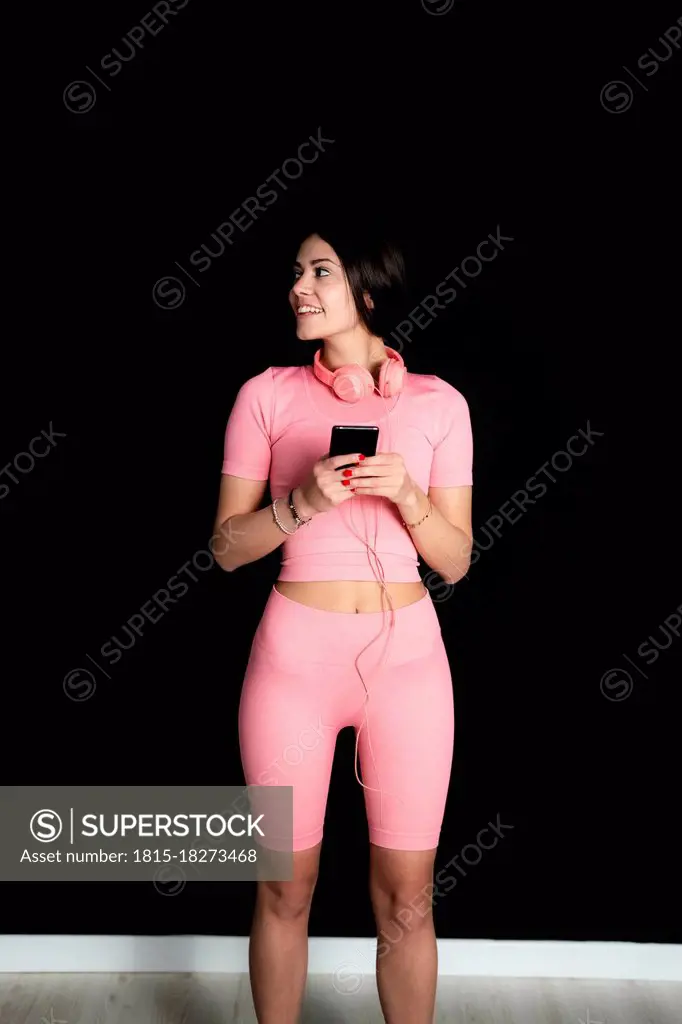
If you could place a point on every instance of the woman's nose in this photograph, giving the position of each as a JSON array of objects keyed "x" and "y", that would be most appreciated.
[{"x": 301, "y": 286}]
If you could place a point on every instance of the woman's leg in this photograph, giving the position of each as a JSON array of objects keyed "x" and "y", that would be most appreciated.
[
  {"x": 406, "y": 747},
  {"x": 278, "y": 948},
  {"x": 407, "y": 955},
  {"x": 288, "y": 724}
]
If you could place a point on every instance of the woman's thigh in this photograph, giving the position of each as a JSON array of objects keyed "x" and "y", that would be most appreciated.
[
  {"x": 288, "y": 726},
  {"x": 406, "y": 748},
  {"x": 306, "y": 680}
]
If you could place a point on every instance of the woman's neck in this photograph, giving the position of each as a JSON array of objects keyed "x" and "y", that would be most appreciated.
[{"x": 366, "y": 350}]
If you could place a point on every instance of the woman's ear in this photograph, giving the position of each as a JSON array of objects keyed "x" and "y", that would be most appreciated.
[{"x": 368, "y": 300}]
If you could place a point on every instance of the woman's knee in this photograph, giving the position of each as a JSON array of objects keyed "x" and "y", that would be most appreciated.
[
  {"x": 292, "y": 899},
  {"x": 401, "y": 886},
  {"x": 286, "y": 900}
]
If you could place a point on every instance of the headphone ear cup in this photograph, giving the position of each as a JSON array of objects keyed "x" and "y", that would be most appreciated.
[
  {"x": 352, "y": 385},
  {"x": 391, "y": 378}
]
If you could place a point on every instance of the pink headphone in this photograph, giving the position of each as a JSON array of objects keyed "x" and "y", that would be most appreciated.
[{"x": 353, "y": 382}]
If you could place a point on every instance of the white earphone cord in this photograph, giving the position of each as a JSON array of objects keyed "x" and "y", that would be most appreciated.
[{"x": 382, "y": 582}]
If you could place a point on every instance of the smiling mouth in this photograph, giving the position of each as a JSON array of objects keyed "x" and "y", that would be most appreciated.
[{"x": 308, "y": 310}]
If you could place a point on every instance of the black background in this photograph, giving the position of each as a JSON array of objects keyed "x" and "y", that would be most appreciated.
[{"x": 451, "y": 126}]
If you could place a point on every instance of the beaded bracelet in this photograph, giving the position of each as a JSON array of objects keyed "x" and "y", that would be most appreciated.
[
  {"x": 297, "y": 518},
  {"x": 278, "y": 521},
  {"x": 411, "y": 526}
]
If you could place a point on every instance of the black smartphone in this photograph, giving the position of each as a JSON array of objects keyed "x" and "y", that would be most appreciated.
[{"x": 346, "y": 440}]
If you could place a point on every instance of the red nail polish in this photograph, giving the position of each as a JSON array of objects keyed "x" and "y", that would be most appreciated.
[
  {"x": 345, "y": 482},
  {"x": 361, "y": 457},
  {"x": 353, "y": 490},
  {"x": 348, "y": 472}
]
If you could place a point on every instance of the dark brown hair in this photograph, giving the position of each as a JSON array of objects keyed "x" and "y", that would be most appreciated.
[{"x": 373, "y": 263}]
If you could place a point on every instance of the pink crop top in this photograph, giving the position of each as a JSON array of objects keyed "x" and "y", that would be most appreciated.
[{"x": 280, "y": 425}]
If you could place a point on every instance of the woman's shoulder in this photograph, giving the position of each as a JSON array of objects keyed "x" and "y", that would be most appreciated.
[
  {"x": 286, "y": 373},
  {"x": 266, "y": 378},
  {"x": 436, "y": 388},
  {"x": 260, "y": 388}
]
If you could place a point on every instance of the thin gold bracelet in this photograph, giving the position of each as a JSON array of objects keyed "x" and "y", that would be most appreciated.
[{"x": 411, "y": 526}]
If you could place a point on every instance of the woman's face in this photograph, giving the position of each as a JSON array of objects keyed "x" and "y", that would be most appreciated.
[{"x": 320, "y": 296}]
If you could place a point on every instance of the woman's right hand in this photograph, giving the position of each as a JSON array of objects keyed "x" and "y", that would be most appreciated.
[{"x": 324, "y": 488}]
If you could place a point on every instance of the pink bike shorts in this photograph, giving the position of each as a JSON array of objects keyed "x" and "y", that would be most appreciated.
[{"x": 302, "y": 687}]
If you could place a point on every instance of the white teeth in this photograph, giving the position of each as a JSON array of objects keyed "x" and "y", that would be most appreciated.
[{"x": 309, "y": 309}]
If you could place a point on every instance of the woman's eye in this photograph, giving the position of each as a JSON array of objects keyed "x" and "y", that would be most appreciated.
[{"x": 318, "y": 272}]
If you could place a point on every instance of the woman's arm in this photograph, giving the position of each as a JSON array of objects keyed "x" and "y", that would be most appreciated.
[
  {"x": 444, "y": 538},
  {"x": 243, "y": 531},
  {"x": 246, "y": 533}
]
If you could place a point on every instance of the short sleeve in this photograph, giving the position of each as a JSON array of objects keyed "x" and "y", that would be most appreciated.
[
  {"x": 453, "y": 454},
  {"x": 247, "y": 435}
]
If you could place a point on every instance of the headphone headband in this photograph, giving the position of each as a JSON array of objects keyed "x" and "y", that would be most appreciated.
[{"x": 353, "y": 382}]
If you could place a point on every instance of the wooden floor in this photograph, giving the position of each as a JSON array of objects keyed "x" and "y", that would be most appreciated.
[{"x": 226, "y": 999}]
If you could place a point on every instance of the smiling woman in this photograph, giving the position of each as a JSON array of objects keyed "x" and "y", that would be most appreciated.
[
  {"x": 352, "y": 529},
  {"x": 321, "y": 292},
  {"x": 351, "y": 284}
]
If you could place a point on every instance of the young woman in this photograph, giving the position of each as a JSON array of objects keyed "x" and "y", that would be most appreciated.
[{"x": 323, "y": 656}]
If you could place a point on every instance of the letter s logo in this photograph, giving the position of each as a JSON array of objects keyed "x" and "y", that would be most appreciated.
[
  {"x": 642, "y": 652},
  {"x": 46, "y": 826}
]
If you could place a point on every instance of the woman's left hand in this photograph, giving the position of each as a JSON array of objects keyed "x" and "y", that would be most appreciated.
[{"x": 384, "y": 475}]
